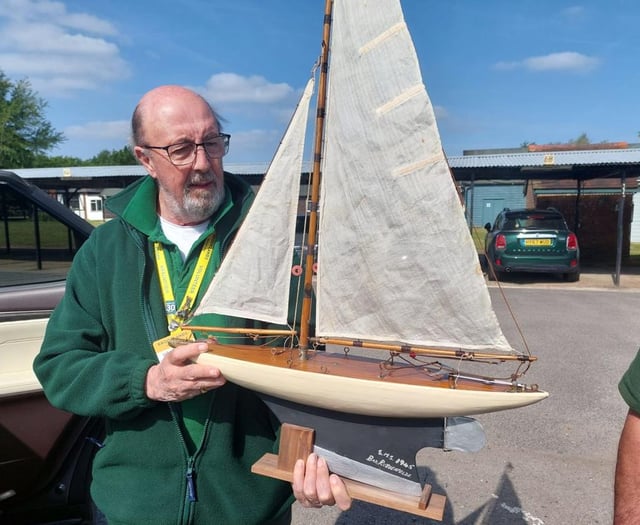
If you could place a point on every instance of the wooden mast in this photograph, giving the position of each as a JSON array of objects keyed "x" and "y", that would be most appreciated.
[{"x": 305, "y": 316}]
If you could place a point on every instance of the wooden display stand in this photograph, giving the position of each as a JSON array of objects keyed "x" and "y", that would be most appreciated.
[{"x": 296, "y": 442}]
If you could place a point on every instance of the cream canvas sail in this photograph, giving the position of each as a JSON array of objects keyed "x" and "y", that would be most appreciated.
[
  {"x": 396, "y": 261},
  {"x": 254, "y": 278}
]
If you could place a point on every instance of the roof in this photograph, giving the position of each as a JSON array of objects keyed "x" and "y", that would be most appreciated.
[
  {"x": 546, "y": 159},
  {"x": 135, "y": 170},
  {"x": 487, "y": 165}
]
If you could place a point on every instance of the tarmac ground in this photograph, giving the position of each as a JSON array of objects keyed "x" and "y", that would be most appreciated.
[
  {"x": 551, "y": 463},
  {"x": 594, "y": 276}
]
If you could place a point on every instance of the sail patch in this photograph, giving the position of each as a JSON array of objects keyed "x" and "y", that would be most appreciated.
[
  {"x": 406, "y": 169},
  {"x": 389, "y": 33},
  {"x": 401, "y": 99}
]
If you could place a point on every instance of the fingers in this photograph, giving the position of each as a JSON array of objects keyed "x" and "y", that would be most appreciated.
[
  {"x": 177, "y": 377},
  {"x": 313, "y": 486},
  {"x": 184, "y": 354},
  {"x": 340, "y": 492}
]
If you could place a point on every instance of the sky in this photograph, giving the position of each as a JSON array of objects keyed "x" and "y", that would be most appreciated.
[{"x": 499, "y": 72}]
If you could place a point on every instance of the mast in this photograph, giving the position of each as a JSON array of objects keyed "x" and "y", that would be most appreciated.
[{"x": 305, "y": 316}]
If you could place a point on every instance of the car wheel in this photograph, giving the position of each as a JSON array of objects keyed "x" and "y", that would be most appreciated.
[{"x": 572, "y": 277}]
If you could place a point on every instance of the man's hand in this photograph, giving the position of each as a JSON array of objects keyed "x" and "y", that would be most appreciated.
[
  {"x": 313, "y": 486},
  {"x": 177, "y": 377}
]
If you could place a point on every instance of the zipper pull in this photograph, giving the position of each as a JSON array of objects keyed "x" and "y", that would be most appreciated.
[{"x": 191, "y": 485}]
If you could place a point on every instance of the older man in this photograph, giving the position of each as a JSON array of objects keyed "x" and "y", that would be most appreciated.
[{"x": 180, "y": 441}]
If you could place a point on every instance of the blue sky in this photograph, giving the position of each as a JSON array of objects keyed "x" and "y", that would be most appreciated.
[{"x": 498, "y": 72}]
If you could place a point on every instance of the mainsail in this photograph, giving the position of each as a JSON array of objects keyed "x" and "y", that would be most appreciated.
[
  {"x": 396, "y": 261},
  {"x": 254, "y": 279}
]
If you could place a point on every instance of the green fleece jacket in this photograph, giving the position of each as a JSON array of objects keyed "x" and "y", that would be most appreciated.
[{"x": 162, "y": 463}]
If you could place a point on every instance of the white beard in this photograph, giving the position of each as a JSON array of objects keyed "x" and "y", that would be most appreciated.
[{"x": 196, "y": 205}]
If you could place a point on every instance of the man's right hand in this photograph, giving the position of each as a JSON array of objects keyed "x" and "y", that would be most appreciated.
[{"x": 177, "y": 377}]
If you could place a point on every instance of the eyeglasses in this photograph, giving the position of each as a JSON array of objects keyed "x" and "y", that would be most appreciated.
[{"x": 185, "y": 152}]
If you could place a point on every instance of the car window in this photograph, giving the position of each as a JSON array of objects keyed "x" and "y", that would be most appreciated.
[
  {"x": 35, "y": 247},
  {"x": 534, "y": 222}
]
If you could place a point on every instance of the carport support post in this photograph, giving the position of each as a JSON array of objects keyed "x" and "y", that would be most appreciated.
[{"x": 623, "y": 185}]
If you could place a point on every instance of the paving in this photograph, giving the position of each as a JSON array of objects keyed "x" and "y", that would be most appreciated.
[
  {"x": 591, "y": 278},
  {"x": 551, "y": 463}
]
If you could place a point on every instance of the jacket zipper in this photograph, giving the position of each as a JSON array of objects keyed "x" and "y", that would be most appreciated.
[
  {"x": 152, "y": 335},
  {"x": 191, "y": 485}
]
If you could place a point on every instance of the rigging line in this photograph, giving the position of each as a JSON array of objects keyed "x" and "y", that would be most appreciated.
[
  {"x": 303, "y": 244},
  {"x": 303, "y": 240},
  {"x": 513, "y": 317}
]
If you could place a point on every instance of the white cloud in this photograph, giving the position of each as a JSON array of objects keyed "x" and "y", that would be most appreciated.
[
  {"x": 440, "y": 112},
  {"x": 30, "y": 11},
  {"x": 231, "y": 88},
  {"x": 569, "y": 61},
  {"x": 573, "y": 12},
  {"x": 565, "y": 61},
  {"x": 108, "y": 130},
  {"x": 60, "y": 52}
]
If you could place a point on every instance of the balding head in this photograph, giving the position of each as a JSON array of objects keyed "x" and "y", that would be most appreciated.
[{"x": 162, "y": 100}]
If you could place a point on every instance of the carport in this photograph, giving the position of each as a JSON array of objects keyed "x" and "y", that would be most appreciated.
[{"x": 619, "y": 162}]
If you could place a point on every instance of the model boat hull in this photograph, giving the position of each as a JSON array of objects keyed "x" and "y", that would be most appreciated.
[{"x": 357, "y": 385}]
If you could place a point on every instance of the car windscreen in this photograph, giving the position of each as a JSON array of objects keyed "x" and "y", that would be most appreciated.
[{"x": 534, "y": 222}]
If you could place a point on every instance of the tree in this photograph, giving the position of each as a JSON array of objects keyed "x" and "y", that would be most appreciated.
[
  {"x": 120, "y": 157},
  {"x": 582, "y": 140},
  {"x": 59, "y": 161},
  {"x": 25, "y": 134}
]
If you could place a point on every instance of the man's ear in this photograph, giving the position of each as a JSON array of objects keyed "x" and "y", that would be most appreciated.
[{"x": 143, "y": 158}]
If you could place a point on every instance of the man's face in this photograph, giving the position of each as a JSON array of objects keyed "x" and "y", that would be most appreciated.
[{"x": 187, "y": 194}]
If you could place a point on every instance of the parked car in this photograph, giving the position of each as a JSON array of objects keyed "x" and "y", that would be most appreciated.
[
  {"x": 45, "y": 453},
  {"x": 531, "y": 240}
]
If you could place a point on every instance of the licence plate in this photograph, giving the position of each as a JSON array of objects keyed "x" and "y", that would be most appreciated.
[{"x": 537, "y": 242}]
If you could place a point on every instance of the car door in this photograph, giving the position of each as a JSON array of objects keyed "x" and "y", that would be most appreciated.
[{"x": 45, "y": 457}]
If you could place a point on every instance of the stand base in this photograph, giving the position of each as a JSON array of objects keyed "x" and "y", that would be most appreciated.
[{"x": 297, "y": 442}]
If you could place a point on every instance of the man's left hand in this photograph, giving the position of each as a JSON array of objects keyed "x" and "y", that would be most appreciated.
[{"x": 314, "y": 486}]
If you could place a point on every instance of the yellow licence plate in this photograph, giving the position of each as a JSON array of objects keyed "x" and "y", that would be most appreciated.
[{"x": 537, "y": 242}]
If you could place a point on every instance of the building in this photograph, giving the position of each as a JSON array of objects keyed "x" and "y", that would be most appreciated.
[{"x": 593, "y": 185}]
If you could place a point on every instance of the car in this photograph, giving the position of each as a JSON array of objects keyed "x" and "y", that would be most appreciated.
[
  {"x": 45, "y": 453},
  {"x": 531, "y": 240}
]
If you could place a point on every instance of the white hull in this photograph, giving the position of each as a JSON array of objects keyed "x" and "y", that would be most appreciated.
[{"x": 376, "y": 397}]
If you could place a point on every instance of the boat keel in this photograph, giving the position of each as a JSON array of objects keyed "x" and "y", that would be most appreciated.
[{"x": 377, "y": 454}]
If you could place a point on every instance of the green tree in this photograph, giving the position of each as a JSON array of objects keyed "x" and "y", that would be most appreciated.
[
  {"x": 24, "y": 131},
  {"x": 119, "y": 157},
  {"x": 59, "y": 161},
  {"x": 582, "y": 140}
]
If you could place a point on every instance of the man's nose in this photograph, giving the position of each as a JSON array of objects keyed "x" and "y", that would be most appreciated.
[{"x": 202, "y": 159}]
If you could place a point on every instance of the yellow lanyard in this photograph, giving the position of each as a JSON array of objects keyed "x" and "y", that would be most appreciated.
[{"x": 176, "y": 317}]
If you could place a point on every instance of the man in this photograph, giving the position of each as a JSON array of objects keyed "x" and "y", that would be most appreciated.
[
  {"x": 627, "y": 479},
  {"x": 180, "y": 441}
]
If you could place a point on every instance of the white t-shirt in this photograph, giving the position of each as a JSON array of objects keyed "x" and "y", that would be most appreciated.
[{"x": 183, "y": 236}]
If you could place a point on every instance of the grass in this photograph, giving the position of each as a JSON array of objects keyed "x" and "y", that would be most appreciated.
[
  {"x": 53, "y": 234},
  {"x": 478, "y": 235}
]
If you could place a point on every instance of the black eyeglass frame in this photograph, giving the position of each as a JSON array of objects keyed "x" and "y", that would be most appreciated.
[{"x": 225, "y": 136}]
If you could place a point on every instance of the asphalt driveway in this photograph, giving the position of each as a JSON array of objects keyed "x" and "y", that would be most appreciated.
[{"x": 551, "y": 463}]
